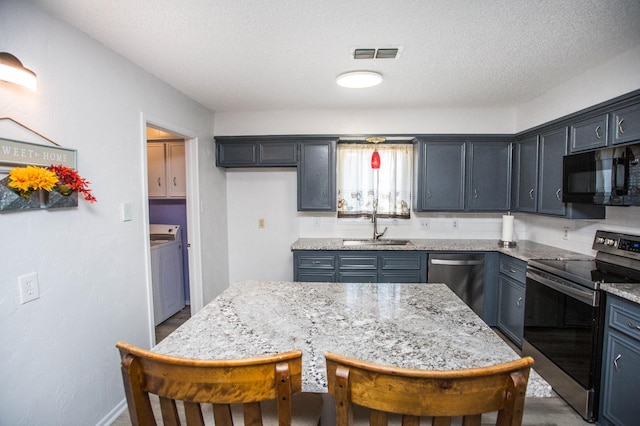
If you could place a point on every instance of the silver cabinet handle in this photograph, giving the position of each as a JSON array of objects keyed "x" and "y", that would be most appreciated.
[
  {"x": 428, "y": 193},
  {"x": 615, "y": 362},
  {"x": 475, "y": 193},
  {"x": 632, "y": 325},
  {"x": 598, "y": 132},
  {"x": 315, "y": 262},
  {"x": 174, "y": 181},
  {"x": 531, "y": 194},
  {"x": 324, "y": 193},
  {"x": 519, "y": 301},
  {"x": 159, "y": 184},
  {"x": 513, "y": 271},
  {"x": 558, "y": 194},
  {"x": 620, "y": 128}
]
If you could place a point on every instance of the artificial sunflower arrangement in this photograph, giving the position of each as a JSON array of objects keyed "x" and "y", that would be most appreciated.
[{"x": 25, "y": 180}]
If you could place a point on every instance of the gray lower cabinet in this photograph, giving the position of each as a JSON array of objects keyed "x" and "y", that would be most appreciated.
[
  {"x": 317, "y": 175},
  {"x": 620, "y": 364},
  {"x": 360, "y": 266},
  {"x": 511, "y": 294}
]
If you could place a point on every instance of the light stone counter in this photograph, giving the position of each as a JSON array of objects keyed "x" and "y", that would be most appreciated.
[
  {"x": 409, "y": 325},
  {"x": 525, "y": 250},
  {"x": 630, "y": 292}
]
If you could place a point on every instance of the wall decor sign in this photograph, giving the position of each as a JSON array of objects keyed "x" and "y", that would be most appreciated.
[{"x": 17, "y": 153}]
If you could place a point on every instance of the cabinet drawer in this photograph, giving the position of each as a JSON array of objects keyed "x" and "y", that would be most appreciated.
[
  {"x": 365, "y": 261},
  {"x": 316, "y": 262},
  {"x": 514, "y": 268},
  {"x": 624, "y": 316},
  {"x": 589, "y": 134},
  {"x": 401, "y": 277},
  {"x": 404, "y": 261},
  {"x": 358, "y": 277}
]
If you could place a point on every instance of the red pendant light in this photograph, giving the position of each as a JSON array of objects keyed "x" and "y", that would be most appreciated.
[{"x": 375, "y": 160}]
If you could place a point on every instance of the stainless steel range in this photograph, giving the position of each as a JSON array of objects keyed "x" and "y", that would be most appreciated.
[{"x": 564, "y": 316}]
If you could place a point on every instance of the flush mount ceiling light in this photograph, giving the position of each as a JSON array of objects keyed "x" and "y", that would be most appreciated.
[
  {"x": 12, "y": 70},
  {"x": 359, "y": 79}
]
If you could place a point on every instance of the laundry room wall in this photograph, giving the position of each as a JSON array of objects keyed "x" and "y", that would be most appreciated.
[{"x": 173, "y": 212}]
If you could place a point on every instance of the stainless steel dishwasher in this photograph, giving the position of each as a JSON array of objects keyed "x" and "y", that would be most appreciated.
[{"x": 463, "y": 273}]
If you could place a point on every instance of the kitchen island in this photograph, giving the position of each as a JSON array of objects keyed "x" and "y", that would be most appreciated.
[{"x": 408, "y": 325}]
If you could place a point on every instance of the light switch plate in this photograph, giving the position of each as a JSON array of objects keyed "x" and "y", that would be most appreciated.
[
  {"x": 126, "y": 212},
  {"x": 29, "y": 288}
]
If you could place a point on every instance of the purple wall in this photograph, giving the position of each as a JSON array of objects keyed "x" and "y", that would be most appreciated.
[{"x": 173, "y": 212}]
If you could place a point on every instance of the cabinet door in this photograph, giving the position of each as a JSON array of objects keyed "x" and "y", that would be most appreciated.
[
  {"x": 625, "y": 125},
  {"x": 620, "y": 371},
  {"x": 527, "y": 174},
  {"x": 156, "y": 170},
  {"x": 589, "y": 134},
  {"x": 511, "y": 308},
  {"x": 317, "y": 176},
  {"x": 314, "y": 266},
  {"x": 553, "y": 146},
  {"x": 236, "y": 154},
  {"x": 489, "y": 176},
  {"x": 277, "y": 154},
  {"x": 176, "y": 171},
  {"x": 440, "y": 173},
  {"x": 358, "y": 277}
]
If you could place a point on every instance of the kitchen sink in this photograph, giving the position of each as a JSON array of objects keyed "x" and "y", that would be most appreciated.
[{"x": 372, "y": 242}]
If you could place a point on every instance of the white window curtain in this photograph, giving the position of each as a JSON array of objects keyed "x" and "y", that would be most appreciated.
[{"x": 359, "y": 186}]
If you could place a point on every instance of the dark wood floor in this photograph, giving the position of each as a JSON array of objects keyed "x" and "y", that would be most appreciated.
[{"x": 165, "y": 328}]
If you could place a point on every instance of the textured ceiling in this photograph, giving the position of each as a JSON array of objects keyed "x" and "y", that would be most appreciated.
[{"x": 238, "y": 55}]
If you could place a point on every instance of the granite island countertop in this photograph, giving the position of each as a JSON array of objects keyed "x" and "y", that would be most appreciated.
[
  {"x": 525, "y": 250},
  {"x": 409, "y": 325}
]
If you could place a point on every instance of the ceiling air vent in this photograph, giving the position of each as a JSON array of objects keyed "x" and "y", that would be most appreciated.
[{"x": 377, "y": 53}]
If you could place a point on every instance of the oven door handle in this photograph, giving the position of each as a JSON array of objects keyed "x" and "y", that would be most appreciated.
[{"x": 586, "y": 296}]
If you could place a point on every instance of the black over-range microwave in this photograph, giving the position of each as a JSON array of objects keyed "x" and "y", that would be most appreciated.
[{"x": 609, "y": 176}]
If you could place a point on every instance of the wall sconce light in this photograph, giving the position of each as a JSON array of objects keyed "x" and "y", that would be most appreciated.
[{"x": 12, "y": 70}]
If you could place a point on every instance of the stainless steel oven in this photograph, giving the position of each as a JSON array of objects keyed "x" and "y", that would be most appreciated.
[{"x": 564, "y": 316}]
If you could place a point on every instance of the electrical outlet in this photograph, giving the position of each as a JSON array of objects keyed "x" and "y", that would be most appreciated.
[
  {"x": 29, "y": 288},
  {"x": 565, "y": 235},
  {"x": 316, "y": 222},
  {"x": 424, "y": 224},
  {"x": 454, "y": 224}
]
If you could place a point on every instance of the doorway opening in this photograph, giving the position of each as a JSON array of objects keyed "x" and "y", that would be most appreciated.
[{"x": 168, "y": 224}]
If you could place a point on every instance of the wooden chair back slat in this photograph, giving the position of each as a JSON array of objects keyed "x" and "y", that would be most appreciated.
[
  {"x": 219, "y": 382},
  {"x": 416, "y": 393}
]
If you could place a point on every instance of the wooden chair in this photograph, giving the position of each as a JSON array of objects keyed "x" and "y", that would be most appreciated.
[
  {"x": 204, "y": 384},
  {"x": 441, "y": 395}
]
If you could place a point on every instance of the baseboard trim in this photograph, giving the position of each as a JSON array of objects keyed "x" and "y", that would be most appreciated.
[{"x": 113, "y": 414}]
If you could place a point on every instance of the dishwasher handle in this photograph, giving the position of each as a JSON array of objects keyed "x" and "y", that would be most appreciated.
[{"x": 456, "y": 262}]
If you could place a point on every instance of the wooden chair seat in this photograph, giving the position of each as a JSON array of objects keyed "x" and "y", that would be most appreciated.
[
  {"x": 389, "y": 395},
  {"x": 252, "y": 391}
]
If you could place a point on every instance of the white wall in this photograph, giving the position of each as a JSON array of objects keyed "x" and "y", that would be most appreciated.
[
  {"x": 608, "y": 80},
  {"x": 58, "y": 363}
]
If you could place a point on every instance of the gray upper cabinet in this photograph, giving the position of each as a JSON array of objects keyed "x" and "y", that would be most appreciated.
[
  {"x": 590, "y": 133},
  {"x": 625, "y": 125},
  {"x": 526, "y": 174},
  {"x": 553, "y": 146},
  {"x": 538, "y": 177},
  {"x": 439, "y": 176},
  {"x": 242, "y": 152},
  {"x": 489, "y": 176},
  {"x": 317, "y": 175},
  {"x": 236, "y": 154}
]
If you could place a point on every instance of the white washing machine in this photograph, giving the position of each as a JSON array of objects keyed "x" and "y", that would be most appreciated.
[{"x": 166, "y": 271}]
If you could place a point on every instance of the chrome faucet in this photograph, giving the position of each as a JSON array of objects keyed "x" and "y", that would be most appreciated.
[{"x": 374, "y": 219}]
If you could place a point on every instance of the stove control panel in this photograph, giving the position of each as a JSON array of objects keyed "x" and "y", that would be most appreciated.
[
  {"x": 624, "y": 245},
  {"x": 629, "y": 245}
]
